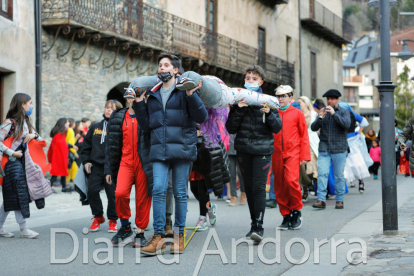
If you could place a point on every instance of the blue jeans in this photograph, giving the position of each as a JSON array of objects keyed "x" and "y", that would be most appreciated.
[
  {"x": 338, "y": 163},
  {"x": 272, "y": 184},
  {"x": 161, "y": 171}
]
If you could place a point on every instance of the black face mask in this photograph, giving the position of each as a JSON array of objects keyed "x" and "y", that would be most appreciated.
[{"x": 164, "y": 77}]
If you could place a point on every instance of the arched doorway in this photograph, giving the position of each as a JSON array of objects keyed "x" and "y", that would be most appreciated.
[{"x": 117, "y": 93}]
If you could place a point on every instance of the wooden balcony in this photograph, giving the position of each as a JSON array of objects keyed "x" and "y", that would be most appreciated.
[
  {"x": 146, "y": 27},
  {"x": 322, "y": 22}
]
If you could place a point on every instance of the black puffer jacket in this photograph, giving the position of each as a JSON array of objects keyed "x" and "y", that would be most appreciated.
[
  {"x": 114, "y": 143},
  {"x": 213, "y": 164},
  {"x": 253, "y": 135},
  {"x": 15, "y": 193}
]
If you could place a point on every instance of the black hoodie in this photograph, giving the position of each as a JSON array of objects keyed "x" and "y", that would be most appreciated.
[{"x": 93, "y": 148}]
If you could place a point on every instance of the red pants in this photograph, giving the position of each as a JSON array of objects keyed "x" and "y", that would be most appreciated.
[
  {"x": 287, "y": 187},
  {"x": 128, "y": 175}
]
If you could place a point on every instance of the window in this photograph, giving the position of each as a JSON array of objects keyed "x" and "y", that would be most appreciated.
[
  {"x": 262, "y": 47},
  {"x": 368, "y": 52},
  {"x": 262, "y": 39},
  {"x": 349, "y": 94},
  {"x": 6, "y": 8},
  {"x": 288, "y": 48},
  {"x": 211, "y": 15},
  {"x": 373, "y": 82},
  {"x": 367, "y": 81},
  {"x": 354, "y": 57},
  {"x": 313, "y": 75},
  {"x": 346, "y": 73},
  {"x": 372, "y": 67}
]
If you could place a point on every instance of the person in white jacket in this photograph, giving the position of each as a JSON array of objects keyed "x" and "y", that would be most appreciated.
[{"x": 312, "y": 166}]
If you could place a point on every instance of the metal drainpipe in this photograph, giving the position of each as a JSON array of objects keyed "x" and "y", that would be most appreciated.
[{"x": 38, "y": 41}]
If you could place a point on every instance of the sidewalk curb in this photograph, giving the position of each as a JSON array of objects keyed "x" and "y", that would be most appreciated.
[{"x": 363, "y": 226}]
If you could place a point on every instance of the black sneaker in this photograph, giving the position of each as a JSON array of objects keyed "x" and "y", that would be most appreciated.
[
  {"x": 271, "y": 203},
  {"x": 250, "y": 232},
  {"x": 67, "y": 190},
  {"x": 140, "y": 240},
  {"x": 122, "y": 237},
  {"x": 185, "y": 84},
  {"x": 295, "y": 220},
  {"x": 285, "y": 223},
  {"x": 257, "y": 234},
  {"x": 361, "y": 186}
]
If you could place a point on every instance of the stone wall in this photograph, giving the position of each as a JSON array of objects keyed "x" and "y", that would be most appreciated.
[{"x": 76, "y": 89}]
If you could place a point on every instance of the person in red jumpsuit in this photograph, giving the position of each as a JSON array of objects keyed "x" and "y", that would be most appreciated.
[
  {"x": 292, "y": 150},
  {"x": 125, "y": 124}
]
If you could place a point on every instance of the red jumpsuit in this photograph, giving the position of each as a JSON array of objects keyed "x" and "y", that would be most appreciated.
[
  {"x": 130, "y": 173},
  {"x": 291, "y": 147}
]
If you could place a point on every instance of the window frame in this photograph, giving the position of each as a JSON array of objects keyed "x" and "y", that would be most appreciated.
[
  {"x": 207, "y": 9},
  {"x": 9, "y": 13},
  {"x": 259, "y": 31}
]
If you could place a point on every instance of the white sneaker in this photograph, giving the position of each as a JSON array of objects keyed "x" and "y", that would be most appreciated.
[
  {"x": 202, "y": 224},
  {"x": 28, "y": 234},
  {"x": 5, "y": 234}
]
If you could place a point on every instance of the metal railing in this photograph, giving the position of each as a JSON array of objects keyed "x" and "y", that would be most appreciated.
[
  {"x": 154, "y": 27},
  {"x": 311, "y": 9}
]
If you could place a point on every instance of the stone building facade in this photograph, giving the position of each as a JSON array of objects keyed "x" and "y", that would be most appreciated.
[
  {"x": 92, "y": 51},
  {"x": 17, "y": 51}
]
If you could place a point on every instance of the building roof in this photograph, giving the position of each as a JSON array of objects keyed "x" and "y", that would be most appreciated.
[
  {"x": 360, "y": 54},
  {"x": 397, "y": 36}
]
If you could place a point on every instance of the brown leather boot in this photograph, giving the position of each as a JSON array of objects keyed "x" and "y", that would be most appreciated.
[
  {"x": 339, "y": 205},
  {"x": 319, "y": 204},
  {"x": 168, "y": 229},
  {"x": 157, "y": 245},
  {"x": 178, "y": 244}
]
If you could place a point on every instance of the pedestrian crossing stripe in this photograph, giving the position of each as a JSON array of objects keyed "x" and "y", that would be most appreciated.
[{"x": 185, "y": 235}]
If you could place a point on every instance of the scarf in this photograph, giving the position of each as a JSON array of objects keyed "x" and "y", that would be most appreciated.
[
  {"x": 283, "y": 108},
  {"x": 372, "y": 138}
]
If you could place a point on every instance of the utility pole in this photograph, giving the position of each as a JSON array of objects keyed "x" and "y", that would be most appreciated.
[{"x": 386, "y": 90}]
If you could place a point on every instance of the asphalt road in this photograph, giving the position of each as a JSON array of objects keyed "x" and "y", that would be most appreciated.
[{"x": 33, "y": 257}]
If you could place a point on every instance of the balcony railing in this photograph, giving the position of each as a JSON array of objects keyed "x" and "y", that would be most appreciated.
[
  {"x": 329, "y": 23},
  {"x": 152, "y": 27},
  {"x": 356, "y": 79}
]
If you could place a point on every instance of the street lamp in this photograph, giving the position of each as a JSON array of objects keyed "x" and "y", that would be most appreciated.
[
  {"x": 386, "y": 90},
  {"x": 376, "y": 3},
  {"x": 405, "y": 53}
]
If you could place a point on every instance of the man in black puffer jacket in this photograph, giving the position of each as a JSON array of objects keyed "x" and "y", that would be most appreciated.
[
  {"x": 254, "y": 127},
  {"x": 171, "y": 115}
]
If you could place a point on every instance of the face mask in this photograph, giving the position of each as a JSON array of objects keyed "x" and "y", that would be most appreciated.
[
  {"x": 164, "y": 77},
  {"x": 252, "y": 86},
  {"x": 28, "y": 113}
]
